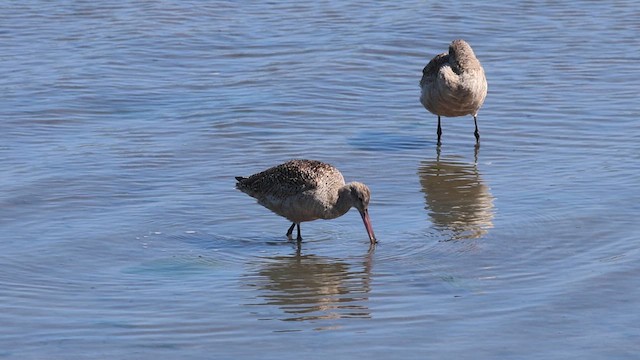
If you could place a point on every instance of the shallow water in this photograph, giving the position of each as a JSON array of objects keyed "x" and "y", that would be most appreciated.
[{"x": 123, "y": 127}]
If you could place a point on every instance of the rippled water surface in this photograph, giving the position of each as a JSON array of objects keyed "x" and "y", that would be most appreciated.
[{"x": 123, "y": 124}]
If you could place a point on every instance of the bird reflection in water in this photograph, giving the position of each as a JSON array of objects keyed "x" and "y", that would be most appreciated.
[
  {"x": 456, "y": 197},
  {"x": 310, "y": 287}
]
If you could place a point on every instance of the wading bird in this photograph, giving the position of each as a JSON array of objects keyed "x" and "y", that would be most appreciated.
[
  {"x": 306, "y": 190},
  {"x": 454, "y": 84}
]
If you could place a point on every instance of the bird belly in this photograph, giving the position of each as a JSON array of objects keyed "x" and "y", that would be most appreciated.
[
  {"x": 299, "y": 208},
  {"x": 462, "y": 97}
]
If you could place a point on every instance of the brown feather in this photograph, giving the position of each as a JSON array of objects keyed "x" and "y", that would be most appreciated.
[
  {"x": 454, "y": 83},
  {"x": 306, "y": 190}
]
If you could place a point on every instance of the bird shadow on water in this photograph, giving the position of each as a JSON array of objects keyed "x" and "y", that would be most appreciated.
[
  {"x": 457, "y": 199},
  {"x": 385, "y": 141},
  {"x": 309, "y": 287}
]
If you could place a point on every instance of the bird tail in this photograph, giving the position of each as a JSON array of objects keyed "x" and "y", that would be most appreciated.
[{"x": 240, "y": 179}]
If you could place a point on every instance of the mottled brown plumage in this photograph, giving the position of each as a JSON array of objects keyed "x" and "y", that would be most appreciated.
[
  {"x": 454, "y": 84},
  {"x": 306, "y": 190}
]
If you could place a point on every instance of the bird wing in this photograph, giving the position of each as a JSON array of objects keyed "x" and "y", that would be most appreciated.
[
  {"x": 288, "y": 179},
  {"x": 430, "y": 71}
]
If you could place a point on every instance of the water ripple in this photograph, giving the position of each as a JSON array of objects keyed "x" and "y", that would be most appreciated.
[{"x": 124, "y": 125}]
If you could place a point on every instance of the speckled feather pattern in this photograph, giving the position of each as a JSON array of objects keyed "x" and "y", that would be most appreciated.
[
  {"x": 290, "y": 178},
  {"x": 454, "y": 83},
  {"x": 299, "y": 190}
]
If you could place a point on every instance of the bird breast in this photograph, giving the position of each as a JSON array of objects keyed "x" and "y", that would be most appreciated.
[{"x": 450, "y": 94}]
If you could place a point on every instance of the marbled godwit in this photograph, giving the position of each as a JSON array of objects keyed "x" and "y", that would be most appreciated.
[
  {"x": 306, "y": 190},
  {"x": 453, "y": 84}
]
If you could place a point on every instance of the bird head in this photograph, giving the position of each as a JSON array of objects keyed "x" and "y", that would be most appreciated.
[
  {"x": 461, "y": 56},
  {"x": 360, "y": 196}
]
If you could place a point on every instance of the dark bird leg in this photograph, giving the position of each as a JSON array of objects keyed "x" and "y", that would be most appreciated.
[
  {"x": 476, "y": 133},
  {"x": 290, "y": 231},
  {"x": 439, "y": 130}
]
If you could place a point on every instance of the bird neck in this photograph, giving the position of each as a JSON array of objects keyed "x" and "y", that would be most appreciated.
[{"x": 344, "y": 202}]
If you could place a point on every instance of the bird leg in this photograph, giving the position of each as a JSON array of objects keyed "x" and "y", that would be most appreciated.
[
  {"x": 476, "y": 133},
  {"x": 439, "y": 130},
  {"x": 290, "y": 231}
]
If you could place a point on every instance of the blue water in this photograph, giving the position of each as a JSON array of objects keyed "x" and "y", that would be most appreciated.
[{"x": 123, "y": 125}]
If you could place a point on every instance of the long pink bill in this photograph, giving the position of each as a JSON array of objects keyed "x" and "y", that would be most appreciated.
[{"x": 367, "y": 225}]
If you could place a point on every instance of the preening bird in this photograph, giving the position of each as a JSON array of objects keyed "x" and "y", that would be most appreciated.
[{"x": 454, "y": 84}]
